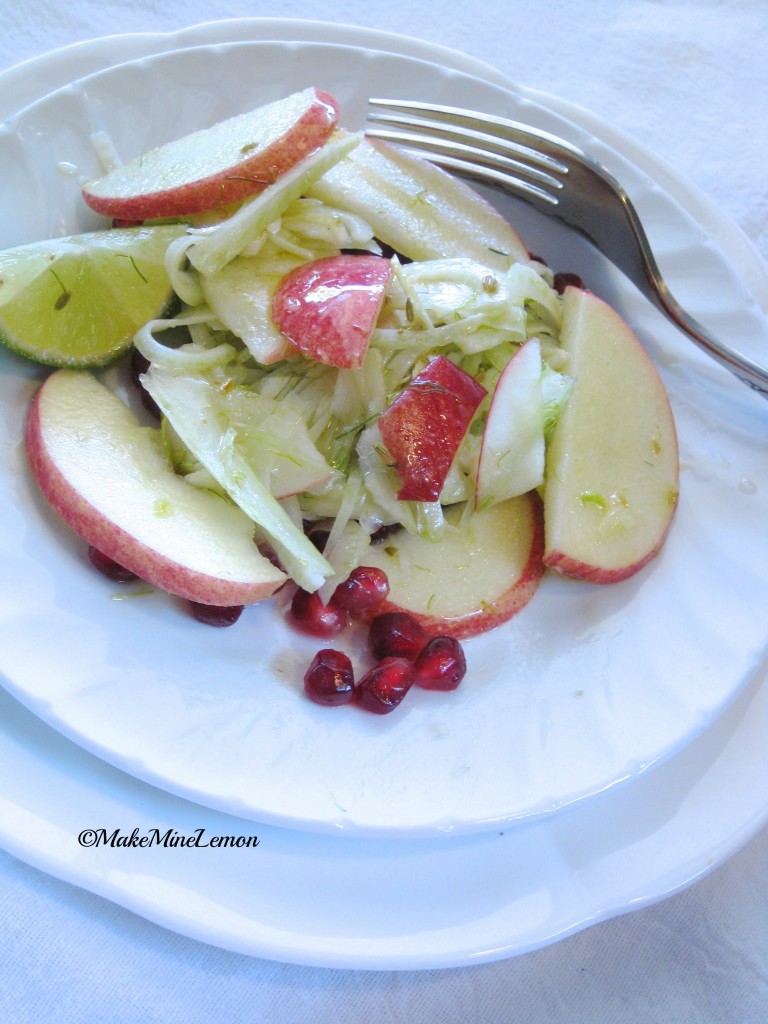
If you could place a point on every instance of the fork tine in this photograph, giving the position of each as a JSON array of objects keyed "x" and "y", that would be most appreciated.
[
  {"x": 514, "y": 156},
  {"x": 493, "y": 153},
  {"x": 507, "y": 145},
  {"x": 473, "y": 162},
  {"x": 540, "y": 145}
]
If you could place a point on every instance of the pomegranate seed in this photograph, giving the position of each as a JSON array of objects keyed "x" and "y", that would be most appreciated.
[
  {"x": 308, "y": 614},
  {"x": 365, "y": 587},
  {"x": 140, "y": 364},
  {"x": 216, "y": 615},
  {"x": 561, "y": 282},
  {"x": 396, "y": 635},
  {"x": 441, "y": 665},
  {"x": 383, "y": 687},
  {"x": 109, "y": 567},
  {"x": 329, "y": 679}
]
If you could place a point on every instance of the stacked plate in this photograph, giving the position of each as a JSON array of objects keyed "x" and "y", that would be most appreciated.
[{"x": 606, "y": 748}]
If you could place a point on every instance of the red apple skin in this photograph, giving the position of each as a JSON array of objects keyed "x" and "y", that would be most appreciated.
[
  {"x": 112, "y": 540},
  {"x": 578, "y": 570},
  {"x": 243, "y": 178},
  {"x": 492, "y": 613},
  {"x": 328, "y": 309},
  {"x": 424, "y": 426}
]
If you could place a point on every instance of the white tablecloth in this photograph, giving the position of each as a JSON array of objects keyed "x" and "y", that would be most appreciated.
[{"x": 688, "y": 79}]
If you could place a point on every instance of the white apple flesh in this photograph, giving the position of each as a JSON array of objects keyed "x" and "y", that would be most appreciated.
[
  {"x": 512, "y": 447},
  {"x": 612, "y": 473},
  {"x": 106, "y": 476},
  {"x": 475, "y": 578},
  {"x": 216, "y": 166}
]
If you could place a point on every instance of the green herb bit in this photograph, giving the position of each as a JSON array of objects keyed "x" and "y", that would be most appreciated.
[
  {"x": 134, "y": 264},
  {"x": 358, "y": 427},
  {"x": 591, "y": 498},
  {"x": 65, "y": 296},
  {"x": 162, "y": 508}
]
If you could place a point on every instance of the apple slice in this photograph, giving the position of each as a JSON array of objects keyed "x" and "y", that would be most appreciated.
[
  {"x": 424, "y": 426},
  {"x": 419, "y": 209},
  {"x": 512, "y": 448},
  {"x": 612, "y": 473},
  {"x": 478, "y": 576},
  {"x": 328, "y": 308},
  {"x": 219, "y": 165},
  {"x": 106, "y": 476}
]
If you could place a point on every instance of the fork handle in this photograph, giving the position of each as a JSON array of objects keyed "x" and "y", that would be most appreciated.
[
  {"x": 741, "y": 366},
  {"x": 643, "y": 270}
]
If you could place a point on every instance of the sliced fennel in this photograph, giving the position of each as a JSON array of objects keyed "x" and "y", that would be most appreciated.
[
  {"x": 345, "y": 550},
  {"x": 289, "y": 439},
  {"x": 190, "y": 357},
  {"x": 464, "y": 303},
  {"x": 191, "y": 405},
  {"x": 218, "y": 246},
  {"x": 240, "y": 295},
  {"x": 319, "y": 228},
  {"x": 555, "y": 391}
]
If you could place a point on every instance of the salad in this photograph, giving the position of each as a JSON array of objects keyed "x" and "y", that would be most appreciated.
[{"x": 368, "y": 374}]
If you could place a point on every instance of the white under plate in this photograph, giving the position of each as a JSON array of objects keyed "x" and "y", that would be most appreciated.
[
  {"x": 587, "y": 687},
  {"x": 633, "y": 845},
  {"x": 28, "y": 81},
  {"x": 378, "y": 904}
]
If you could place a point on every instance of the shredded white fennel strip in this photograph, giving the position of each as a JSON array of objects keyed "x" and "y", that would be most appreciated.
[
  {"x": 349, "y": 503},
  {"x": 459, "y": 333},
  {"x": 216, "y": 248},
  {"x": 183, "y": 281},
  {"x": 419, "y": 313},
  {"x": 187, "y": 357}
]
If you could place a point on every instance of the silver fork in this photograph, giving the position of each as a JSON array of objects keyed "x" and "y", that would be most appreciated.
[{"x": 560, "y": 180}]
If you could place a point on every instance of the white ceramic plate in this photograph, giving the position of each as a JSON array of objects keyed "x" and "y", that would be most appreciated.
[
  {"x": 378, "y": 904},
  {"x": 664, "y": 830},
  {"x": 28, "y": 81},
  {"x": 587, "y": 687}
]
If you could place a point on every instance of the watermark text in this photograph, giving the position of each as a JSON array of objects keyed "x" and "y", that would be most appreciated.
[{"x": 170, "y": 839}]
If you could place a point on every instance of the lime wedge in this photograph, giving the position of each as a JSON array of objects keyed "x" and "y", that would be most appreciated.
[{"x": 78, "y": 301}]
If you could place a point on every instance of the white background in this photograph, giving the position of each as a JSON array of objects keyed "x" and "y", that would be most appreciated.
[{"x": 688, "y": 79}]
